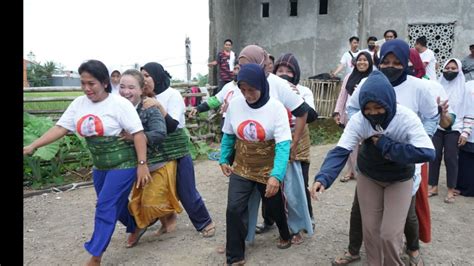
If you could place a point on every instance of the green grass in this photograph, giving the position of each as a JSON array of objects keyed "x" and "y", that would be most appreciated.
[
  {"x": 48, "y": 105},
  {"x": 324, "y": 131}
]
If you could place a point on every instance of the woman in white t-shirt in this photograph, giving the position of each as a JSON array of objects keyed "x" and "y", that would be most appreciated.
[
  {"x": 363, "y": 68},
  {"x": 393, "y": 140},
  {"x": 262, "y": 145},
  {"x": 447, "y": 141},
  {"x": 100, "y": 117},
  {"x": 171, "y": 104}
]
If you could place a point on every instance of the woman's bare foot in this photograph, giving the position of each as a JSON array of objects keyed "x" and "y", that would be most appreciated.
[
  {"x": 168, "y": 224},
  {"x": 456, "y": 192},
  {"x": 94, "y": 261}
]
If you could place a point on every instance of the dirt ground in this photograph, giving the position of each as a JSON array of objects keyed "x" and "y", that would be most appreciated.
[{"x": 56, "y": 225}]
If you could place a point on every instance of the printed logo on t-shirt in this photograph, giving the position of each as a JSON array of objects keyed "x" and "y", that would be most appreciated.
[
  {"x": 90, "y": 125},
  {"x": 251, "y": 130}
]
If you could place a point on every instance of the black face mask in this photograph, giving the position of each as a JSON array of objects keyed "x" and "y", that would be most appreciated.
[
  {"x": 450, "y": 75},
  {"x": 377, "y": 119},
  {"x": 392, "y": 73},
  {"x": 411, "y": 71},
  {"x": 235, "y": 78},
  {"x": 288, "y": 78},
  {"x": 371, "y": 47}
]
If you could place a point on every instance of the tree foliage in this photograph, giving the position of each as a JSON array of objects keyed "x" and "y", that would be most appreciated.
[{"x": 39, "y": 75}]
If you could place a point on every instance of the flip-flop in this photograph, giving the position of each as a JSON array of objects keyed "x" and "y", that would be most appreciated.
[
  {"x": 431, "y": 194},
  {"x": 297, "y": 239},
  {"x": 209, "y": 232},
  {"x": 140, "y": 234},
  {"x": 449, "y": 199},
  {"x": 416, "y": 260},
  {"x": 283, "y": 245},
  {"x": 346, "y": 178},
  {"x": 347, "y": 258}
]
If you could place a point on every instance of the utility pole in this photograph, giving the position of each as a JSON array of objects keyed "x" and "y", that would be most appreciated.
[{"x": 188, "y": 59}]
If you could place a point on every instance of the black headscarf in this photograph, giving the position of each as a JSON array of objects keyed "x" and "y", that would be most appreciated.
[
  {"x": 160, "y": 76},
  {"x": 289, "y": 61},
  {"x": 254, "y": 75},
  {"x": 356, "y": 76}
]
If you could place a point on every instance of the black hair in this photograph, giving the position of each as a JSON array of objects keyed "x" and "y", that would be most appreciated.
[
  {"x": 271, "y": 58},
  {"x": 371, "y": 38},
  {"x": 228, "y": 40},
  {"x": 392, "y": 31},
  {"x": 421, "y": 41},
  {"x": 98, "y": 70},
  {"x": 353, "y": 38},
  {"x": 471, "y": 46}
]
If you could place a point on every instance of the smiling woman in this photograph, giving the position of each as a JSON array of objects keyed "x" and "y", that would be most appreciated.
[{"x": 100, "y": 118}]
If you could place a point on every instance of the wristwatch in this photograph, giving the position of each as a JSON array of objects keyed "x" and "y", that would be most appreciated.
[{"x": 141, "y": 162}]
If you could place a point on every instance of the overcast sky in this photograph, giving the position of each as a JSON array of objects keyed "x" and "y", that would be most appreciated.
[{"x": 118, "y": 32}]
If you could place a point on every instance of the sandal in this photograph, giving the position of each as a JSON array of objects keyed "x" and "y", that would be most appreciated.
[
  {"x": 240, "y": 262},
  {"x": 346, "y": 259},
  {"x": 416, "y": 260},
  {"x": 297, "y": 239},
  {"x": 210, "y": 231},
  {"x": 456, "y": 192},
  {"x": 346, "y": 178},
  {"x": 449, "y": 199},
  {"x": 431, "y": 194},
  {"x": 284, "y": 244},
  {"x": 141, "y": 231}
]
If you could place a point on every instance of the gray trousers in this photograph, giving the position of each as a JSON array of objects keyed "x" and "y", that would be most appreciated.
[{"x": 384, "y": 207}]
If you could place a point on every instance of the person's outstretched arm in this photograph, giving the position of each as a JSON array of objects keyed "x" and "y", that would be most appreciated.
[{"x": 53, "y": 134}]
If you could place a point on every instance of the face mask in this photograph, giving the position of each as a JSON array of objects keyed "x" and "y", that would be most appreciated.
[
  {"x": 235, "y": 78},
  {"x": 371, "y": 47},
  {"x": 377, "y": 119},
  {"x": 450, "y": 75},
  {"x": 411, "y": 71},
  {"x": 288, "y": 78},
  {"x": 392, "y": 73}
]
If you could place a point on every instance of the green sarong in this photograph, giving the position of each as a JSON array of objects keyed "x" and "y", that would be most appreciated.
[
  {"x": 174, "y": 146},
  {"x": 111, "y": 153}
]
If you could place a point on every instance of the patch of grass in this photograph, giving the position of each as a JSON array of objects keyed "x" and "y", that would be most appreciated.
[
  {"x": 57, "y": 105},
  {"x": 324, "y": 131}
]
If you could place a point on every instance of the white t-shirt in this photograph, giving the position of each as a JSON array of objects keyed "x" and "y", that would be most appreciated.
[
  {"x": 428, "y": 56},
  {"x": 105, "y": 118},
  {"x": 346, "y": 61},
  {"x": 307, "y": 96},
  {"x": 412, "y": 93},
  {"x": 257, "y": 125},
  {"x": 405, "y": 127},
  {"x": 227, "y": 92},
  {"x": 436, "y": 91},
  {"x": 173, "y": 103},
  {"x": 470, "y": 105},
  {"x": 115, "y": 89},
  {"x": 281, "y": 91}
]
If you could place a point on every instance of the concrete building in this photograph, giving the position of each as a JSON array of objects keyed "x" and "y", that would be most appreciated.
[{"x": 317, "y": 31}]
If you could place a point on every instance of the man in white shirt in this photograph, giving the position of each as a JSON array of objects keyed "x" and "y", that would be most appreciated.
[
  {"x": 427, "y": 56},
  {"x": 348, "y": 57}
]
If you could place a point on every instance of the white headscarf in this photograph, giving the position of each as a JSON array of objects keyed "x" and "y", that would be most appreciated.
[{"x": 456, "y": 90}]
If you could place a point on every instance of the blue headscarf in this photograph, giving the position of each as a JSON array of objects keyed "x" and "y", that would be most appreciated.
[
  {"x": 254, "y": 75},
  {"x": 378, "y": 89},
  {"x": 401, "y": 50}
]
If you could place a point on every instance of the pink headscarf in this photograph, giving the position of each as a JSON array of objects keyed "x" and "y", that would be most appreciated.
[
  {"x": 418, "y": 66},
  {"x": 254, "y": 54}
]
